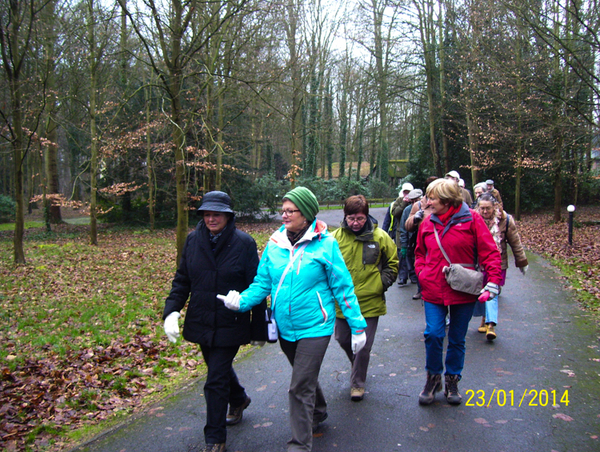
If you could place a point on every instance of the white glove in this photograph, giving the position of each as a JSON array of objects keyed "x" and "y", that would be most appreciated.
[
  {"x": 524, "y": 269},
  {"x": 172, "y": 326},
  {"x": 231, "y": 300},
  {"x": 358, "y": 342},
  {"x": 492, "y": 288}
]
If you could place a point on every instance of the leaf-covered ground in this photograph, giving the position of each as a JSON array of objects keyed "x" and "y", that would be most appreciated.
[
  {"x": 81, "y": 329},
  {"x": 580, "y": 262}
]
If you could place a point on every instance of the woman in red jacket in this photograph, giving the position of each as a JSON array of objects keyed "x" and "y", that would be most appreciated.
[{"x": 467, "y": 240}]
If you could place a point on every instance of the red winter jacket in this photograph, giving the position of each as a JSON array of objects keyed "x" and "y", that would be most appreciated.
[{"x": 465, "y": 233}]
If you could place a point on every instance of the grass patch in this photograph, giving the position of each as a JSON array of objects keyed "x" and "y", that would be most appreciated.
[
  {"x": 28, "y": 225},
  {"x": 577, "y": 274}
]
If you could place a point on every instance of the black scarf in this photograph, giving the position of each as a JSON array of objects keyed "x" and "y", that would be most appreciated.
[{"x": 293, "y": 237}]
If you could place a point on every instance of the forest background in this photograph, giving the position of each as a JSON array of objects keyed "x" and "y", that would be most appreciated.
[
  {"x": 133, "y": 109},
  {"x": 130, "y": 110}
]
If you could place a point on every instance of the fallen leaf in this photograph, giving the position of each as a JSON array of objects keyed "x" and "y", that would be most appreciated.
[{"x": 562, "y": 416}]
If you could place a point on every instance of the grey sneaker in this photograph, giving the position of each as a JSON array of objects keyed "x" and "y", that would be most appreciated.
[
  {"x": 357, "y": 394},
  {"x": 235, "y": 414},
  {"x": 451, "y": 390},
  {"x": 432, "y": 385}
]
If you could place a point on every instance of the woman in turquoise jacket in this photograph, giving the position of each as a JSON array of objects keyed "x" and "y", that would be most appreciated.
[{"x": 303, "y": 270}]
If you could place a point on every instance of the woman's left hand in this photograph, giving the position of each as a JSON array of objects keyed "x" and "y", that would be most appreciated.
[
  {"x": 492, "y": 288},
  {"x": 231, "y": 300},
  {"x": 524, "y": 269}
]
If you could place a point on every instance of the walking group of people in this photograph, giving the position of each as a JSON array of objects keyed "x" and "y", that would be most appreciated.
[{"x": 322, "y": 284}]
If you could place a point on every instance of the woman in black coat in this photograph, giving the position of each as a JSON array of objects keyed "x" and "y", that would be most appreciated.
[{"x": 216, "y": 258}]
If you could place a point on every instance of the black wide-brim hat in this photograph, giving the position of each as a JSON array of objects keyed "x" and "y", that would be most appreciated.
[{"x": 216, "y": 201}]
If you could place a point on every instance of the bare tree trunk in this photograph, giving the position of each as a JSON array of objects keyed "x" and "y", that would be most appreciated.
[
  {"x": 93, "y": 62},
  {"x": 180, "y": 166},
  {"x": 293, "y": 14},
  {"x": 472, "y": 135},
  {"x": 51, "y": 129},
  {"x": 443, "y": 112},
  {"x": 427, "y": 33},
  {"x": 150, "y": 163},
  {"x": 382, "y": 87},
  {"x": 19, "y": 154}
]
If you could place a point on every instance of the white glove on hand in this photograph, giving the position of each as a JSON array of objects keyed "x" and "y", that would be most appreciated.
[
  {"x": 172, "y": 326},
  {"x": 524, "y": 269},
  {"x": 491, "y": 288},
  {"x": 231, "y": 300},
  {"x": 358, "y": 342}
]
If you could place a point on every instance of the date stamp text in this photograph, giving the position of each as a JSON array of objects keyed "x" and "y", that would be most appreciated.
[{"x": 511, "y": 398}]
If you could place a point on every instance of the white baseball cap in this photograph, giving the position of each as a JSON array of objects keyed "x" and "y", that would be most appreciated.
[
  {"x": 407, "y": 186},
  {"x": 453, "y": 174}
]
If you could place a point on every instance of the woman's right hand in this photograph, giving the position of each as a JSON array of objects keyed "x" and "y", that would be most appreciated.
[
  {"x": 172, "y": 326},
  {"x": 358, "y": 342}
]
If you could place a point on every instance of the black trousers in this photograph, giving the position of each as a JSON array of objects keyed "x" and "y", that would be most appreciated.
[{"x": 222, "y": 388}]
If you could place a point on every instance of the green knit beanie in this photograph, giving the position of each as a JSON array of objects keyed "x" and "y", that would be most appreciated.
[{"x": 305, "y": 200}]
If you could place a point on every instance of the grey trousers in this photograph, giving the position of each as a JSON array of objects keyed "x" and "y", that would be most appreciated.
[
  {"x": 305, "y": 396},
  {"x": 360, "y": 361}
]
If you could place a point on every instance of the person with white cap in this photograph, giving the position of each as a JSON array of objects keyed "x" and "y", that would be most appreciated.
[
  {"x": 420, "y": 210},
  {"x": 217, "y": 257},
  {"x": 407, "y": 250},
  {"x": 389, "y": 225},
  {"x": 396, "y": 212},
  {"x": 494, "y": 192},
  {"x": 466, "y": 195}
]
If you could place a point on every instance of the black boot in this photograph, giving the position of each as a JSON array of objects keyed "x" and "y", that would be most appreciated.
[
  {"x": 432, "y": 385},
  {"x": 451, "y": 390}
]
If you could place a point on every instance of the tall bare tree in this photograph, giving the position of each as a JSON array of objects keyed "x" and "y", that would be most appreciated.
[
  {"x": 17, "y": 22},
  {"x": 171, "y": 43}
]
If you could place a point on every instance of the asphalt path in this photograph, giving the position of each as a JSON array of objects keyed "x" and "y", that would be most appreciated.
[{"x": 536, "y": 388}]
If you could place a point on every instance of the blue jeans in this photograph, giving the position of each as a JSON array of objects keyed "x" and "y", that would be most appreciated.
[{"x": 435, "y": 332}]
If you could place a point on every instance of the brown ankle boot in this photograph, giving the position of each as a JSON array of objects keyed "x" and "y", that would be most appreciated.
[
  {"x": 451, "y": 390},
  {"x": 432, "y": 385}
]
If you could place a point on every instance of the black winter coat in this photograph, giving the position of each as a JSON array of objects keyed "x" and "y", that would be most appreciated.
[{"x": 203, "y": 274}]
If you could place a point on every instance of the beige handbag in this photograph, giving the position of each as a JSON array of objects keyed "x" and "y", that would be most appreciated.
[{"x": 458, "y": 277}]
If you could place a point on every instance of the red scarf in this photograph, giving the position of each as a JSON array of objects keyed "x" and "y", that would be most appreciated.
[{"x": 445, "y": 217}]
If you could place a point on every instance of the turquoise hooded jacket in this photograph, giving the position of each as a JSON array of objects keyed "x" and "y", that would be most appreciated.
[{"x": 304, "y": 282}]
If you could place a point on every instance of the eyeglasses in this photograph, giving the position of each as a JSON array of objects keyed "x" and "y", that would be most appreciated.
[
  {"x": 356, "y": 219},
  {"x": 289, "y": 212}
]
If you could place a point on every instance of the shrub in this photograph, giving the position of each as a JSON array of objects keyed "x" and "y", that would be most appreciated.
[
  {"x": 379, "y": 189},
  {"x": 7, "y": 209}
]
